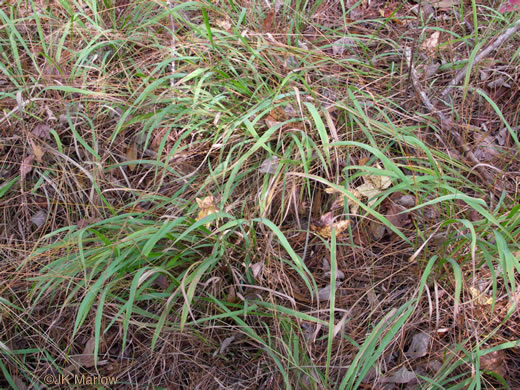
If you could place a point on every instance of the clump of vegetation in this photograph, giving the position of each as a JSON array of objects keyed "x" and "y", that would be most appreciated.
[{"x": 259, "y": 194}]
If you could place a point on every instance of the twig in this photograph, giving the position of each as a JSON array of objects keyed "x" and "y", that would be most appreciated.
[
  {"x": 484, "y": 53},
  {"x": 445, "y": 122}
]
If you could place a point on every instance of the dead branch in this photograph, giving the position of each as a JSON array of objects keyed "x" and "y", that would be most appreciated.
[
  {"x": 445, "y": 122},
  {"x": 484, "y": 53}
]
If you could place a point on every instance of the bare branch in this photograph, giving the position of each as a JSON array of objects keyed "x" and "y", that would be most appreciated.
[{"x": 483, "y": 54}]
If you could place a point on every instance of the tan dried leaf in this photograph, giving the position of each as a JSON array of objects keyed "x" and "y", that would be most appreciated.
[
  {"x": 207, "y": 207},
  {"x": 430, "y": 44},
  {"x": 131, "y": 155},
  {"x": 26, "y": 166},
  {"x": 37, "y": 150},
  {"x": 479, "y": 297},
  {"x": 373, "y": 185},
  {"x": 324, "y": 226}
]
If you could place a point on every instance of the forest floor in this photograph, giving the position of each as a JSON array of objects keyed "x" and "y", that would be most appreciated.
[{"x": 259, "y": 194}]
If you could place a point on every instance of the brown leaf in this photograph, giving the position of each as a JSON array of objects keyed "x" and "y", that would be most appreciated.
[
  {"x": 324, "y": 226},
  {"x": 377, "y": 230},
  {"x": 42, "y": 130},
  {"x": 495, "y": 362},
  {"x": 86, "y": 359},
  {"x": 26, "y": 166},
  {"x": 268, "y": 22},
  {"x": 37, "y": 150},
  {"x": 398, "y": 220},
  {"x": 131, "y": 155}
]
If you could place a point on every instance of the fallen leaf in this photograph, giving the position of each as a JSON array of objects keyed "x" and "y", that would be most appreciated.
[
  {"x": 257, "y": 269},
  {"x": 39, "y": 218},
  {"x": 419, "y": 346},
  {"x": 268, "y": 21},
  {"x": 26, "y": 166},
  {"x": 131, "y": 155},
  {"x": 324, "y": 226},
  {"x": 430, "y": 44},
  {"x": 373, "y": 185},
  {"x": 324, "y": 293},
  {"x": 37, "y": 150},
  {"x": 403, "y": 375},
  {"x": 495, "y": 362},
  {"x": 207, "y": 207},
  {"x": 480, "y": 298},
  {"x": 269, "y": 165},
  {"x": 226, "y": 343},
  {"x": 86, "y": 359},
  {"x": 339, "y": 46},
  {"x": 377, "y": 230},
  {"x": 486, "y": 150},
  {"x": 42, "y": 130}
]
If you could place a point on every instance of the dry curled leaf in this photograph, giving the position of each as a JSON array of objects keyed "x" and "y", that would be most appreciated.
[
  {"x": 207, "y": 207},
  {"x": 26, "y": 166},
  {"x": 324, "y": 226},
  {"x": 42, "y": 130},
  {"x": 480, "y": 298},
  {"x": 131, "y": 155}
]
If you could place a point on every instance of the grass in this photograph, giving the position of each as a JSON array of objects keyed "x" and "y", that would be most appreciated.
[{"x": 148, "y": 106}]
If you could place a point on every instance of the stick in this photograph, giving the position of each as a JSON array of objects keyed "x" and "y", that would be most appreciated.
[{"x": 484, "y": 53}]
